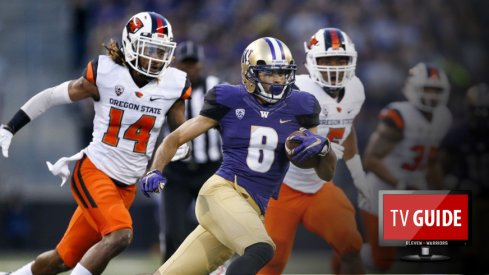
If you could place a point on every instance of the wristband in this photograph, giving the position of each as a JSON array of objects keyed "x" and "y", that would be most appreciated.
[{"x": 19, "y": 120}]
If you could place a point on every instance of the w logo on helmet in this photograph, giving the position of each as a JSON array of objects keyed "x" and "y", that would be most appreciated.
[{"x": 134, "y": 25}]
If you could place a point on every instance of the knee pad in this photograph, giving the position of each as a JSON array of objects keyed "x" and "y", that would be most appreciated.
[{"x": 262, "y": 251}]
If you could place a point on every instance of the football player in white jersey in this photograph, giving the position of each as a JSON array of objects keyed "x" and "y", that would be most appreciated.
[
  {"x": 402, "y": 151},
  {"x": 321, "y": 206},
  {"x": 133, "y": 89}
]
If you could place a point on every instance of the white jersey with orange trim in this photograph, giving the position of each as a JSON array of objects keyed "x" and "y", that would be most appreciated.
[
  {"x": 128, "y": 118},
  {"x": 409, "y": 158},
  {"x": 336, "y": 119}
]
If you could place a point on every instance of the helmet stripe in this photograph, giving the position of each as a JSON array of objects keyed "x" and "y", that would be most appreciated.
[
  {"x": 158, "y": 25},
  {"x": 276, "y": 48},
  {"x": 272, "y": 48},
  {"x": 333, "y": 38},
  {"x": 281, "y": 49},
  {"x": 433, "y": 72}
]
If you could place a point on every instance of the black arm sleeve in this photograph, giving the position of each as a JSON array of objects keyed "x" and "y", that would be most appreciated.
[
  {"x": 211, "y": 108},
  {"x": 19, "y": 120},
  {"x": 310, "y": 120}
]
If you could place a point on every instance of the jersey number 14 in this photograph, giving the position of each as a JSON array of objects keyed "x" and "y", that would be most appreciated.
[{"x": 139, "y": 131}]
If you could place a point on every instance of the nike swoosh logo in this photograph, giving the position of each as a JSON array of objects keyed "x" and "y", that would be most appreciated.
[
  {"x": 155, "y": 98},
  {"x": 285, "y": 121},
  {"x": 315, "y": 143}
]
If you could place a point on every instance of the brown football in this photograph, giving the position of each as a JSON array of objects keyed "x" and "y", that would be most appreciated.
[{"x": 311, "y": 162}]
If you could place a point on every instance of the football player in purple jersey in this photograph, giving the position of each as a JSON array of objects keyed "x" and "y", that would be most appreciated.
[{"x": 254, "y": 120}]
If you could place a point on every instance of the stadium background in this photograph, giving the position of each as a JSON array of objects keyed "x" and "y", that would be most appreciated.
[{"x": 46, "y": 42}]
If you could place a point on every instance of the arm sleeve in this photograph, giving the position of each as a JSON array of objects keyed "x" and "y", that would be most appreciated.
[
  {"x": 211, "y": 108},
  {"x": 312, "y": 119}
]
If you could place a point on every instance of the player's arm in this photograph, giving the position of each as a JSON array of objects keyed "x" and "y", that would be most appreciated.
[
  {"x": 176, "y": 117},
  {"x": 434, "y": 172},
  {"x": 209, "y": 116},
  {"x": 327, "y": 160},
  {"x": 354, "y": 163},
  {"x": 189, "y": 130},
  {"x": 380, "y": 144},
  {"x": 312, "y": 144},
  {"x": 66, "y": 92}
]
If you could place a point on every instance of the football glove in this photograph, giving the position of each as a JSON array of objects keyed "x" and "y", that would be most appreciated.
[
  {"x": 182, "y": 152},
  {"x": 5, "y": 140},
  {"x": 338, "y": 150},
  {"x": 310, "y": 145},
  {"x": 152, "y": 182}
]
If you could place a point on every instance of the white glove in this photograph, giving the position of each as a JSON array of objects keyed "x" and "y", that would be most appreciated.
[
  {"x": 182, "y": 152},
  {"x": 338, "y": 150},
  {"x": 5, "y": 140},
  {"x": 61, "y": 168}
]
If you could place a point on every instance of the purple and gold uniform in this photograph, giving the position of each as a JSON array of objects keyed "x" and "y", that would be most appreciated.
[{"x": 254, "y": 152}]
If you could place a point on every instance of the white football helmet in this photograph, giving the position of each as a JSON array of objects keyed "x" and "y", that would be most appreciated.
[
  {"x": 325, "y": 43},
  {"x": 426, "y": 75},
  {"x": 147, "y": 43},
  {"x": 267, "y": 54}
]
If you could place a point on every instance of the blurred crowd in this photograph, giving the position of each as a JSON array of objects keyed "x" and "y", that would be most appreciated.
[{"x": 390, "y": 36}]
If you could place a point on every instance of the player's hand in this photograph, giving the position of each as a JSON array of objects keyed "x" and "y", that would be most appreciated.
[
  {"x": 337, "y": 149},
  {"x": 310, "y": 145},
  {"x": 5, "y": 140},
  {"x": 152, "y": 182},
  {"x": 182, "y": 152}
]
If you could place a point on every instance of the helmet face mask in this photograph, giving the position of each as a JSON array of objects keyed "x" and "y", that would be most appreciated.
[
  {"x": 147, "y": 42},
  {"x": 267, "y": 69},
  {"x": 330, "y": 44},
  {"x": 427, "y": 87}
]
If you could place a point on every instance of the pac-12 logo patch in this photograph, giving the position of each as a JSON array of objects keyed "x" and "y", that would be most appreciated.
[
  {"x": 240, "y": 113},
  {"x": 118, "y": 90}
]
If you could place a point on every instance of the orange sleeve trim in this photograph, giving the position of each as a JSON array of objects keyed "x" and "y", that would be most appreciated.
[
  {"x": 394, "y": 116},
  {"x": 90, "y": 75},
  {"x": 187, "y": 93}
]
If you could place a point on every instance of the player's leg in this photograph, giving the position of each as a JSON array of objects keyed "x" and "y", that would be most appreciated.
[
  {"x": 228, "y": 212},
  {"x": 200, "y": 253},
  {"x": 382, "y": 257},
  {"x": 332, "y": 216},
  {"x": 107, "y": 206},
  {"x": 78, "y": 238},
  {"x": 177, "y": 199},
  {"x": 281, "y": 221}
]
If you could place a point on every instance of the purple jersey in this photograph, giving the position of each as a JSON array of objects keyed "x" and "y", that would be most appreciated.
[{"x": 253, "y": 135}]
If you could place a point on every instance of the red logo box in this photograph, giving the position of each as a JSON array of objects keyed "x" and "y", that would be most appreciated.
[{"x": 432, "y": 217}]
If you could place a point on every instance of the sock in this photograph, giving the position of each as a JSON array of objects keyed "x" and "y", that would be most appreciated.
[
  {"x": 254, "y": 258},
  {"x": 25, "y": 270},
  {"x": 366, "y": 254},
  {"x": 80, "y": 270}
]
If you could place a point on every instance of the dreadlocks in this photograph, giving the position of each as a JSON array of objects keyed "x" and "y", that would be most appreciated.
[{"x": 115, "y": 53}]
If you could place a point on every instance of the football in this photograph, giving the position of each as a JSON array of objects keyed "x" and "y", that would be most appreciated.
[{"x": 311, "y": 162}]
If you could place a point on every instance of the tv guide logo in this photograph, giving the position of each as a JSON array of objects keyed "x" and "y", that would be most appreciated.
[{"x": 424, "y": 217}]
